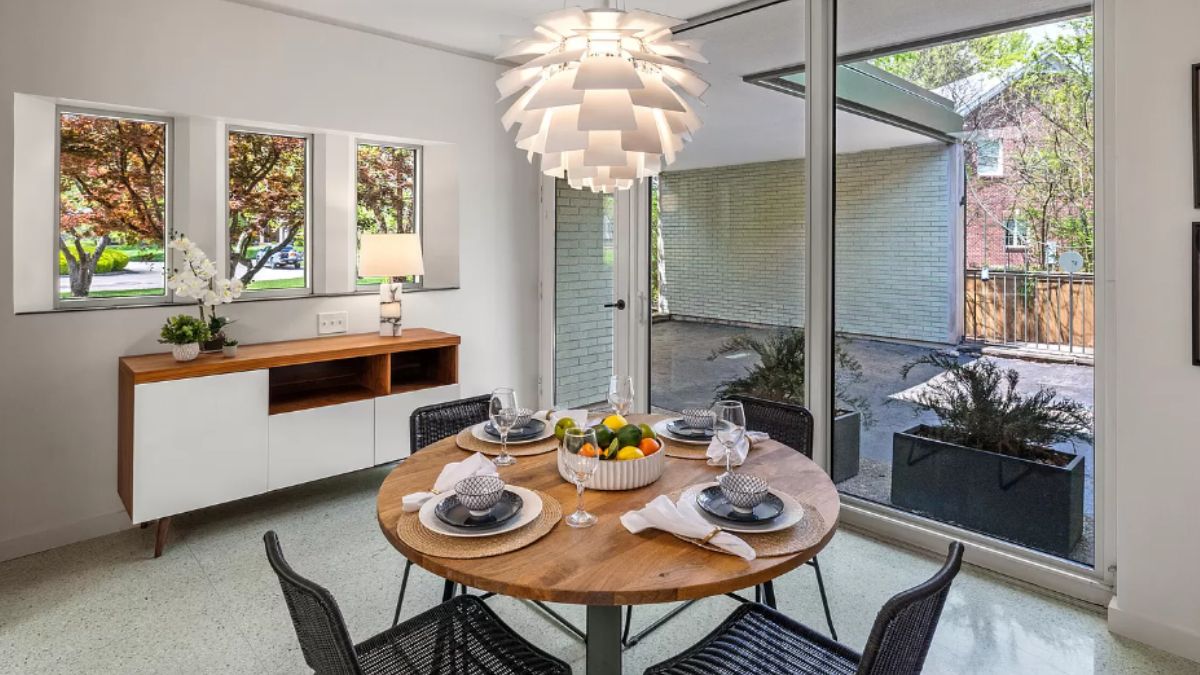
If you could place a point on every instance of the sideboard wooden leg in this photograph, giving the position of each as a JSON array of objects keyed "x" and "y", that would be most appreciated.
[
  {"x": 160, "y": 535},
  {"x": 145, "y": 525}
]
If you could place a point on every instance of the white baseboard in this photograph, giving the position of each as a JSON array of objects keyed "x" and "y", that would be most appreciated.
[
  {"x": 1167, "y": 638},
  {"x": 61, "y": 536}
]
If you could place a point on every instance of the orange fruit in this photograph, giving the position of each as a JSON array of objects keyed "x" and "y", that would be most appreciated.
[
  {"x": 588, "y": 450},
  {"x": 649, "y": 446}
]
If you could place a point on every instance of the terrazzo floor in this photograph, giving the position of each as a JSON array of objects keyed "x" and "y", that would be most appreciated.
[{"x": 212, "y": 605}]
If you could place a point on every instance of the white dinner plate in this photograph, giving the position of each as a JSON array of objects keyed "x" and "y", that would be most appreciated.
[
  {"x": 531, "y": 509},
  {"x": 793, "y": 513},
  {"x": 660, "y": 428},
  {"x": 478, "y": 432}
]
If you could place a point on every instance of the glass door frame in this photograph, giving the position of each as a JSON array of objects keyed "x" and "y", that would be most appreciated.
[
  {"x": 631, "y": 283},
  {"x": 1094, "y": 584}
]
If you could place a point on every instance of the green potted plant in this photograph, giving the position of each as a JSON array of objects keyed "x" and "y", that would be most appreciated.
[
  {"x": 184, "y": 333},
  {"x": 779, "y": 376},
  {"x": 989, "y": 465},
  {"x": 229, "y": 349}
]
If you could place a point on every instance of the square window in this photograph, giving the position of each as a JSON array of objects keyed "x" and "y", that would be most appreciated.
[
  {"x": 386, "y": 194},
  {"x": 989, "y": 157},
  {"x": 112, "y": 206},
  {"x": 268, "y": 211},
  {"x": 1016, "y": 234}
]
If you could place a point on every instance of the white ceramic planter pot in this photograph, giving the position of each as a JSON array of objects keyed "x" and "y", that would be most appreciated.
[
  {"x": 229, "y": 351},
  {"x": 614, "y": 475},
  {"x": 187, "y": 352}
]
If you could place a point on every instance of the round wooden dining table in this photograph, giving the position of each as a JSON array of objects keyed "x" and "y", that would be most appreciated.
[{"x": 605, "y": 566}]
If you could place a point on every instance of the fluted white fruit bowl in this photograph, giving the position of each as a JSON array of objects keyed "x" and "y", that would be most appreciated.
[{"x": 613, "y": 474}]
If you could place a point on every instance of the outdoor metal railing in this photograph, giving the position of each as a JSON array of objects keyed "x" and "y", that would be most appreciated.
[{"x": 1034, "y": 310}]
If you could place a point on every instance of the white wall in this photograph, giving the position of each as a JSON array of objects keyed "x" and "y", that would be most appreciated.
[
  {"x": 221, "y": 60},
  {"x": 1155, "y": 389}
]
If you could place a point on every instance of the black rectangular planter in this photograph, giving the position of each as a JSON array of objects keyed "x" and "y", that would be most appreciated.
[
  {"x": 847, "y": 425},
  {"x": 1029, "y": 503}
]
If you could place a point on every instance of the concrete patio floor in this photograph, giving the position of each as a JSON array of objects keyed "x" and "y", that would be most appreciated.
[{"x": 683, "y": 375}]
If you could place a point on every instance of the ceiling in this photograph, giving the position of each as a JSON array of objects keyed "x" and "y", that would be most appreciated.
[{"x": 743, "y": 122}]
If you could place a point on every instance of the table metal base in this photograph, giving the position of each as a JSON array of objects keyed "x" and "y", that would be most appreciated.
[{"x": 603, "y": 640}]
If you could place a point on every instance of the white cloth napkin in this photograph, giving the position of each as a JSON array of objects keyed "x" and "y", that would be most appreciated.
[
  {"x": 553, "y": 415},
  {"x": 684, "y": 520},
  {"x": 716, "y": 449},
  {"x": 475, "y": 465}
]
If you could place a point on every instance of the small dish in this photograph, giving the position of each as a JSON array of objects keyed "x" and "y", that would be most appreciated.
[
  {"x": 529, "y": 512},
  {"x": 530, "y": 429},
  {"x": 684, "y": 430},
  {"x": 663, "y": 428},
  {"x": 743, "y": 490},
  {"x": 712, "y": 500},
  {"x": 479, "y": 493},
  {"x": 453, "y": 512},
  {"x": 479, "y": 433},
  {"x": 793, "y": 513}
]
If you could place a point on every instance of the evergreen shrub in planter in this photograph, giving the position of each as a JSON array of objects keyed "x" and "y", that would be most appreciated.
[{"x": 989, "y": 466}]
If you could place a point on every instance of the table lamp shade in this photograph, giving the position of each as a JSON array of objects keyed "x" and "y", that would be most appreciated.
[{"x": 390, "y": 255}]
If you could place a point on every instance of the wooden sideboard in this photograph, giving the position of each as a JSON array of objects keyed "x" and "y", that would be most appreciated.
[{"x": 216, "y": 429}]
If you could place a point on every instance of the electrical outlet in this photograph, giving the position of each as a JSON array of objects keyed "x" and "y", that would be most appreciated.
[{"x": 332, "y": 322}]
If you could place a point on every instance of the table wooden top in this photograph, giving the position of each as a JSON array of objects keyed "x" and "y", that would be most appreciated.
[
  {"x": 606, "y": 564},
  {"x": 163, "y": 366}
]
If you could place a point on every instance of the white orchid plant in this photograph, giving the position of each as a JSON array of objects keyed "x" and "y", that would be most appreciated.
[{"x": 198, "y": 279}]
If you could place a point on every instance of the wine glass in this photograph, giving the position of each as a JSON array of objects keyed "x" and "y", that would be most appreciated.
[
  {"x": 582, "y": 459},
  {"x": 620, "y": 394},
  {"x": 505, "y": 412},
  {"x": 729, "y": 423}
]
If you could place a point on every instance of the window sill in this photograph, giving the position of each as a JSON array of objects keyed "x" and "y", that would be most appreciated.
[{"x": 242, "y": 300}]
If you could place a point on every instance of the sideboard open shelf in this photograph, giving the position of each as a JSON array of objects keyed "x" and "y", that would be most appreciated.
[{"x": 216, "y": 429}]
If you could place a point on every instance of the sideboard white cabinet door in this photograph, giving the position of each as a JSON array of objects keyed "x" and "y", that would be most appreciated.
[
  {"x": 321, "y": 442},
  {"x": 198, "y": 442},
  {"x": 391, "y": 419}
]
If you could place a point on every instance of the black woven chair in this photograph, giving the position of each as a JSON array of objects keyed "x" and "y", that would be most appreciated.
[
  {"x": 426, "y": 426},
  {"x": 758, "y": 639},
  {"x": 430, "y": 424},
  {"x": 462, "y": 636},
  {"x": 791, "y": 425}
]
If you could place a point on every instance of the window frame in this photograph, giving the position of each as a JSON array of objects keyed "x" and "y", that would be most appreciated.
[
  {"x": 1018, "y": 243},
  {"x": 168, "y": 297},
  {"x": 418, "y": 208},
  {"x": 998, "y": 170},
  {"x": 309, "y": 288}
]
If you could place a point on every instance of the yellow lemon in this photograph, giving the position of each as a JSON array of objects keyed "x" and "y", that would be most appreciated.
[
  {"x": 614, "y": 422},
  {"x": 629, "y": 453}
]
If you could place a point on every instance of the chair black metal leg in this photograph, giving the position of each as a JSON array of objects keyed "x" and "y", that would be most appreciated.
[
  {"x": 403, "y": 587},
  {"x": 626, "y": 643},
  {"x": 448, "y": 590},
  {"x": 824, "y": 599},
  {"x": 758, "y": 593},
  {"x": 625, "y": 628},
  {"x": 560, "y": 619},
  {"x": 769, "y": 594}
]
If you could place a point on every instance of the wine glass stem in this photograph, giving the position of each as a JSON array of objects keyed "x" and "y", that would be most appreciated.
[
  {"x": 728, "y": 458},
  {"x": 579, "y": 480},
  {"x": 503, "y": 442}
]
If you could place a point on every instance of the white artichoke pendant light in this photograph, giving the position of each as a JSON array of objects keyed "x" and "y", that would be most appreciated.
[{"x": 604, "y": 99}]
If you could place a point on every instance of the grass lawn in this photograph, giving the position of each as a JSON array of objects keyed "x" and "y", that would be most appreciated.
[
  {"x": 126, "y": 293},
  {"x": 141, "y": 254},
  {"x": 274, "y": 284}
]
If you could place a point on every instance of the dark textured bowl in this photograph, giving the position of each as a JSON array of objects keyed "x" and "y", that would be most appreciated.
[
  {"x": 743, "y": 491},
  {"x": 479, "y": 493}
]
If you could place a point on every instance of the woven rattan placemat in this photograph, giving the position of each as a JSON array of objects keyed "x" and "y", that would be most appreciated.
[
  {"x": 801, "y": 536},
  {"x": 421, "y": 538},
  {"x": 467, "y": 441}
]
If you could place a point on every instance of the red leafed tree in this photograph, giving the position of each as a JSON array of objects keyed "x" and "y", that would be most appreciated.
[
  {"x": 386, "y": 189},
  {"x": 267, "y": 194},
  {"x": 112, "y": 181}
]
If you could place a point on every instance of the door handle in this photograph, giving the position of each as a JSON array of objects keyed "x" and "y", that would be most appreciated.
[{"x": 620, "y": 304}]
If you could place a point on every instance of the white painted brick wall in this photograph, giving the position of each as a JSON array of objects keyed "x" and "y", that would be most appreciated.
[
  {"x": 736, "y": 243},
  {"x": 583, "y": 283}
]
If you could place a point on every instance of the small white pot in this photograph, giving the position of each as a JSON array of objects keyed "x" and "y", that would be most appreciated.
[
  {"x": 629, "y": 474},
  {"x": 187, "y": 352},
  {"x": 229, "y": 351}
]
